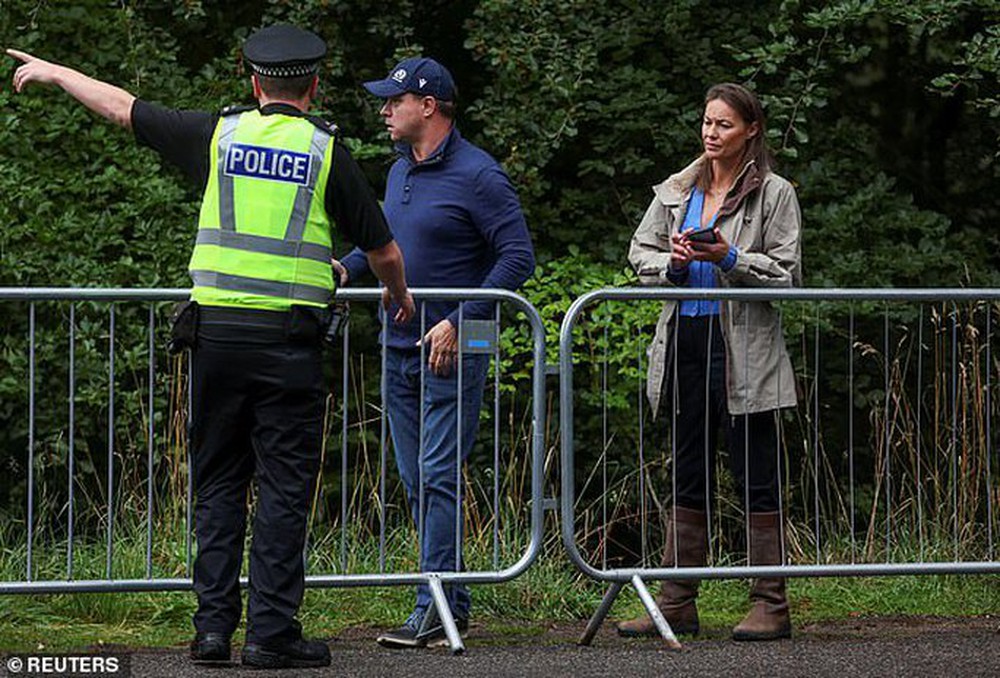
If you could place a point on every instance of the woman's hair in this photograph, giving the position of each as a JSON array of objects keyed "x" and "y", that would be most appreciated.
[{"x": 747, "y": 106}]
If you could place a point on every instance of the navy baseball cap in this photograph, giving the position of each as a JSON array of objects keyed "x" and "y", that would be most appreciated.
[{"x": 418, "y": 75}]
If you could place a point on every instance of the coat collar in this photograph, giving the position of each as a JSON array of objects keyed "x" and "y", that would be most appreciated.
[{"x": 677, "y": 188}]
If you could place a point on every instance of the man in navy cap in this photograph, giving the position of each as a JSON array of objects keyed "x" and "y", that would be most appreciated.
[
  {"x": 262, "y": 277},
  {"x": 459, "y": 223}
]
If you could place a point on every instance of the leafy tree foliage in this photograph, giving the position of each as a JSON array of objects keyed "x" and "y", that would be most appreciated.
[{"x": 884, "y": 114}]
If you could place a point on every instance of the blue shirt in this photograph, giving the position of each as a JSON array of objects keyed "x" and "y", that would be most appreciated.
[
  {"x": 700, "y": 274},
  {"x": 458, "y": 221}
]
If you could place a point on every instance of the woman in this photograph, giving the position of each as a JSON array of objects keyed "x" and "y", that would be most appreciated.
[{"x": 750, "y": 223}]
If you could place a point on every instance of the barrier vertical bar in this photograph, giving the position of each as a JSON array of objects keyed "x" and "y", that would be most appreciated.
[
  {"x": 345, "y": 364},
  {"x": 189, "y": 501},
  {"x": 779, "y": 433},
  {"x": 383, "y": 458},
  {"x": 954, "y": 422},
  {"x": 850, "y": 429},
  {"x": 149, "y": 449},
  {"x": 71, "y": 461},
  {"x": 643, "y": 526},
  {"x": 920, "y": 400},
  {"x": 816, "y": 467},
  {"x": 422, "y": 440},
  {"x": 706, "y": 434},
  {"x": 604, "y": 448},
  {"x": 887, "y": 465},
  {"x": 31, "y": 438},
  {"x": 746, "y": 435},
  {"x": 458, "y": 450},
  {"x": 496, "y": 436},
  {"x": 111, "y": 435},
  {"x": 989, "y": 431}
]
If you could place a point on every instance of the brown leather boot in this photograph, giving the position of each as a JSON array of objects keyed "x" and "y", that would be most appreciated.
[
  {"x": 677, "y": 598},
  {"x": 768, "y": 618}
]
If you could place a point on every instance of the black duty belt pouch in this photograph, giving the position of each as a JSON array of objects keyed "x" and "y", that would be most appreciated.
[
  {"x": 305, "y": 324},
  {"x": 338, "y": 314},
  {"x": 184, "y": 327}
]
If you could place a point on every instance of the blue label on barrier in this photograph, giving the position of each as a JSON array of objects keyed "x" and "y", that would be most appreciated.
[
  {"x": 271, "y": 164},
  {"x": 478, "y": 336}
]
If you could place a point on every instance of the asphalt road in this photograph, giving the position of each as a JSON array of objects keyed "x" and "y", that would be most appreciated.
[{"x": 956, "y": 648}]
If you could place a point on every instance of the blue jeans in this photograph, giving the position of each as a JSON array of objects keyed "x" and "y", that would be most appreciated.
[{"x": 437, "y": 468}]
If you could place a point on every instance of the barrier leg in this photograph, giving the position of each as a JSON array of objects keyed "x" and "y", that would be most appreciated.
[
  {"x": 444, "y": 612},
  {"x": 602, "y": 611},
  {"x": 654, "y": 612}
]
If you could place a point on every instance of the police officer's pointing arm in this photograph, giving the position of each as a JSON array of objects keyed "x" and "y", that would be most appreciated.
[{"x": 108, "y": 101}]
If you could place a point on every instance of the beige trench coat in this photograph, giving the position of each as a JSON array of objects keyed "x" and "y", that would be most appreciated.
[{"x": 761, "y": 217}]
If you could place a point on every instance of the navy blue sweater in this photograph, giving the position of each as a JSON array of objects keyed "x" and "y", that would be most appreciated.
[{"x": 458, "y": 222}]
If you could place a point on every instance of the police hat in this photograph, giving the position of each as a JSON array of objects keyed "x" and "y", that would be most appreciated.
[{"x": 283, "y": 51}]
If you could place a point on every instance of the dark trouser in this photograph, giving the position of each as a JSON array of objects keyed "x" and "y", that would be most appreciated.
[
  {"x": 257, "y": 412},
  {"x": 751, "y": 439}
]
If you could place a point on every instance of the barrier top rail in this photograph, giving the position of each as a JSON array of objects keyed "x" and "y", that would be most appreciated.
[
  {"x": 181, "y": 294},
  {"x": 783, "y": 294}
]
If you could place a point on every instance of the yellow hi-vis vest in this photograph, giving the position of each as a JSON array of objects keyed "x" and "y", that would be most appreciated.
[{"x": 264, "y": 238}]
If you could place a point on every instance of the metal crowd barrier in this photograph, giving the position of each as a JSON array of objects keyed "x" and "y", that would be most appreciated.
[
  {"x": 358, "y": 419},
  {"x": 890, "y": 473}
]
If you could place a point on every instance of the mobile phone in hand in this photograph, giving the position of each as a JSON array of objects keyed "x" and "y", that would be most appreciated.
[{"x": 704, "y": 235}]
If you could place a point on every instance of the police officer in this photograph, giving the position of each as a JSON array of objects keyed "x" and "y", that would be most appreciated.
[{"x": 276, "y": 179}]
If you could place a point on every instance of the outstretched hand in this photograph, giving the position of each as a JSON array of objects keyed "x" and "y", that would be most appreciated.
[{"x": 32, "y": 69}]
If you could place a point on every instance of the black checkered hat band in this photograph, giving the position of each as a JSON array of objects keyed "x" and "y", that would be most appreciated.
[{"x": 293, "y": 71}]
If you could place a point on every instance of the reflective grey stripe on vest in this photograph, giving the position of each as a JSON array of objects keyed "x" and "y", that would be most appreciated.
[
  {"x": 227, "y": 208},
  {"x": 303, "y": 198},
  {"x": 268, "y": 288},
  {"x": 264, "y": 245}
]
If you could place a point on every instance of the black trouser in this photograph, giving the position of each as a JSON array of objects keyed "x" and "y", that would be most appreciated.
[
  {"x": 257, "y": 412},
  {"x": 751, "y": 439}
]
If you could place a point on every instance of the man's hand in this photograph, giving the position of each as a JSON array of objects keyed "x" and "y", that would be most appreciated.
[
  {"x": 407, "y": 309},
  {"x": 343, "y": 277},
  {"x": 32, "y": 69},
  {"x": 710, "y": 251},
  {"x": 443, "y": 341}
]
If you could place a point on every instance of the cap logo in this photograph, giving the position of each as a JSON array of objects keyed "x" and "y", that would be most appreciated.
[
  {"x": 400, "y": 75},
  {"x": 423, "y": 81}
]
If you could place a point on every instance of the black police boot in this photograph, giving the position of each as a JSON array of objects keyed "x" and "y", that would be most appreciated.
[
  {"x": 298, "y": 653},
  {"x": 210, "y": 647}
]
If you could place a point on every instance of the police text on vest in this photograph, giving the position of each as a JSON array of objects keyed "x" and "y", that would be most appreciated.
[{"x": 271, "y": 164}]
